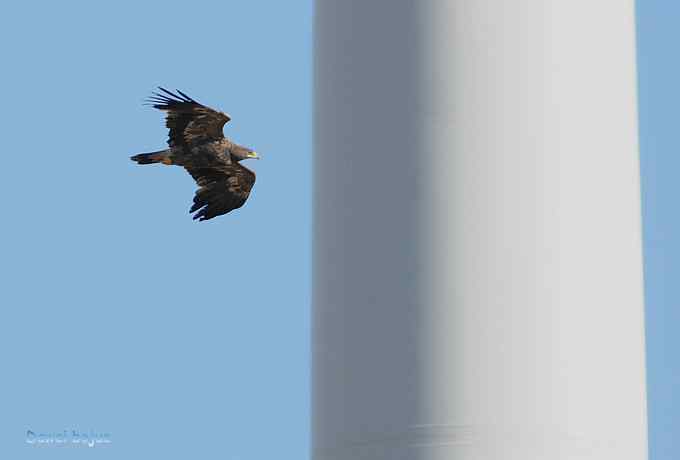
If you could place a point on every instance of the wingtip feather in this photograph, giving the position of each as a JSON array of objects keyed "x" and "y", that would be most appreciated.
[
  {"x": 187, "y": 98},
  {"x": 168, "y": 100}
]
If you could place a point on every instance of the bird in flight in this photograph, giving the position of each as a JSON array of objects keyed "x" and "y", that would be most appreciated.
[{"x": 198, "y": 145}]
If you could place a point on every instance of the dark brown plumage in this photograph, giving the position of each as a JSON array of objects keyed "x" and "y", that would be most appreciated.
[{"x": 197, "y": 143}]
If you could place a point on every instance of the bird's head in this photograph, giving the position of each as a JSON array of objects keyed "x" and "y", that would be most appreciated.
[{"x": 243, "y": 153}]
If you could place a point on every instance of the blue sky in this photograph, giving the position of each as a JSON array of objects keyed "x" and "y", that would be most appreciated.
[
  {"x": 120, "y": 314},
  {"x": 186, "y": 340},
  {"x": 659, "y": 80}
]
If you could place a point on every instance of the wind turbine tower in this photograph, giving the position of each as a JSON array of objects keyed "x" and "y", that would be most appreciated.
[{"x": 478, "y": 289}]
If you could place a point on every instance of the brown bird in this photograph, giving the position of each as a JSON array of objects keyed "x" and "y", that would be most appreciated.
[{"x": 198, "y": 145}]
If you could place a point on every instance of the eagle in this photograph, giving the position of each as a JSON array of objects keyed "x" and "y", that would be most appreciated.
[{"x": 197, "y": 144}]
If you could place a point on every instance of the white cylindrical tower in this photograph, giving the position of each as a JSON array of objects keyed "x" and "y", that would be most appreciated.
[{"x": 477, "y": 268}]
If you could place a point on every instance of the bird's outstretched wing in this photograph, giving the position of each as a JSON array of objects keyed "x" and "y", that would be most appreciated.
[
  {"x": 222, "y": 189},
  {"x": 189, "y": 121}
]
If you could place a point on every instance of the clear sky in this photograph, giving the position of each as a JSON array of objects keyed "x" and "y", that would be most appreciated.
[
  {"x": 659, "y": 77},
  {"x": 181, "y": 340},
  {"x": 120, "y": 314}
]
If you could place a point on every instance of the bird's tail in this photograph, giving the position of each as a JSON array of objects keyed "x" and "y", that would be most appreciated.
[{"x": 162, "y": 156}]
